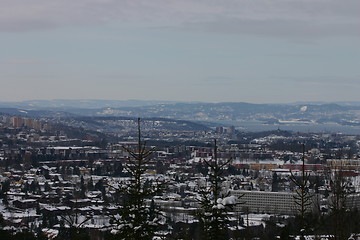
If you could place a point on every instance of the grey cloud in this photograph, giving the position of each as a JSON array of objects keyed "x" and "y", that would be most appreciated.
[
  {"x": 292, "y": 55},
  {"x": 255, "y": 16},
  {"x": 277, "y": 28},
  {"x": 25, "y": 61},
  {"x": 123, "y": 76},
  {"x": 222, "y": 81},
  {"x": 320, "y": 80}
]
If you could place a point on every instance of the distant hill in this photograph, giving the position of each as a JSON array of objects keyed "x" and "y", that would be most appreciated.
[
  {"x": 34, "y": 113},
  {"x": 210, "y": 114},
  {"x": 114, "y": 124},
  {"x": 238, "y": 112},
  {"x": 78, "y": 104}
]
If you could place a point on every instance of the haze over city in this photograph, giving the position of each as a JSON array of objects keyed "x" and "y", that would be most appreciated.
[
  {"x": 252, "y": 51},
  {"x": 179, "y": 119}
]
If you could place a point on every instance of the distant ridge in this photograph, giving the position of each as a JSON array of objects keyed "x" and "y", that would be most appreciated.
[
  {"x": 99, "y": 103},
  {"x": 80, "y": 103},
  {"x": 34, "y": 113},
  {"x": 242, "y": 114}
]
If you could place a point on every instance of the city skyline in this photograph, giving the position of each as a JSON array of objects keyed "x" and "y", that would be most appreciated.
[{"x": 234, "y": 51}]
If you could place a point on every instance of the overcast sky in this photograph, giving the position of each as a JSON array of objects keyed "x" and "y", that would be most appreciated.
[{"x": 257, "y": 51}]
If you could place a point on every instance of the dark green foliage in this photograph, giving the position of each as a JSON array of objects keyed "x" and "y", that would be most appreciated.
[
  {"x": 303, "y": 198},
  {"x": 201, "y": 168},
  {"x": 135, "y": 219},
  {"x": 186, "y": 231},
  {"x": 72, "y": 233},
  {"x": 232, "y": 170},
  {"x": 5, "y": 234},
  {"x": 339, "y": 211},
  {"x": 214, "y": 204},
  {"x": 5, "y": 186},
  {"x": 24, "y": 235}
]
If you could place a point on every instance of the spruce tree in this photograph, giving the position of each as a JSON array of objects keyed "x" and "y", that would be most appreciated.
[
  {"x": 339, "y": 209},
  {"x": 214, "y": 202},
  {"x": 303, "y": 198},
  {"x": 135, "y": 218}
]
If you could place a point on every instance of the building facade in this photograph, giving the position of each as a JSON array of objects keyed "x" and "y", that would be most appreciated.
[{"x": 268, "y": 202}]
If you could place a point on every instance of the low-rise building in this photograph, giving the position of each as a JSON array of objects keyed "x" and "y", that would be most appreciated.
[{"x": 267, "y": 202}]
